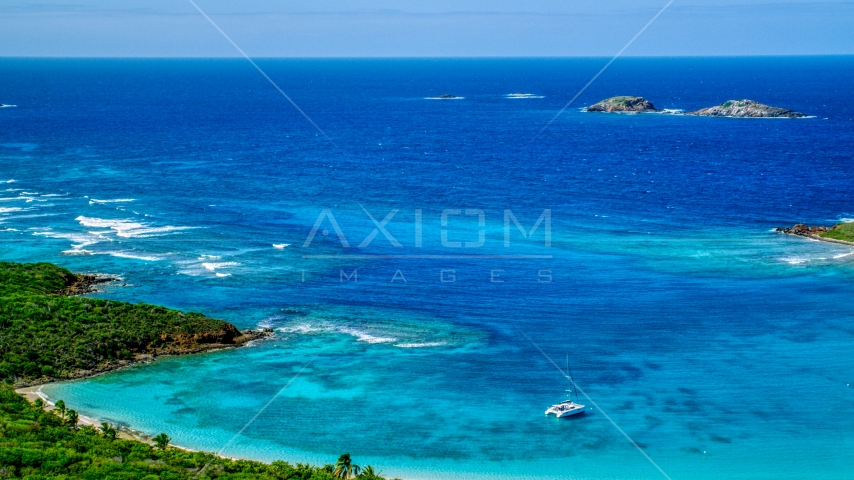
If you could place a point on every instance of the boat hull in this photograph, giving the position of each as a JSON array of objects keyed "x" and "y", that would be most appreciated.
[
  {"x": 570, "y": 413},
  {"x": 563, "y": 410}
]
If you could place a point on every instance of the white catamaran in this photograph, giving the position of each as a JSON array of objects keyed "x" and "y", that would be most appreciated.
[{"x": 567, "y": 407}]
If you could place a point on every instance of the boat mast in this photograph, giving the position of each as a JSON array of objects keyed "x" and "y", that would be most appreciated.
[{"x": 569, "y": 377}]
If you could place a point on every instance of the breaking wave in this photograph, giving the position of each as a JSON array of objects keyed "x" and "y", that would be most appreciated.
[
  {"x": 128, "y": 228},
  {"x": 213, "y": 266},
  {"x": 117, "y": 200},
  {"x": 373, "y": 326}
]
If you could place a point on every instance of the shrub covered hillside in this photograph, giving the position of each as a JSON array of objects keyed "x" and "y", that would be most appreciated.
[
  {"x": 44, "y": 334},
  {"x": 841, "y": 231},
  {"x": 38, "y": 444},
  {"x": 34, "y": 279}
]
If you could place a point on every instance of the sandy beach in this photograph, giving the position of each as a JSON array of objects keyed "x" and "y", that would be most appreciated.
[{"x": 33, "y": 393}]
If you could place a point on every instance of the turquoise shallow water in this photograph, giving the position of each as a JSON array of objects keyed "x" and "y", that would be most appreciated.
[{"x": 722, "y": 349}]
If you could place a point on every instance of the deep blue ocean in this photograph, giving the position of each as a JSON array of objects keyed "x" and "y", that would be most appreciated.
[{"x": 425, "y": 347}]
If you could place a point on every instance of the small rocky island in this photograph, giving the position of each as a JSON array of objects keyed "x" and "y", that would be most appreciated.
[
  {"x": 623, "y": 104},
  {"x": 745, "y": 109}
]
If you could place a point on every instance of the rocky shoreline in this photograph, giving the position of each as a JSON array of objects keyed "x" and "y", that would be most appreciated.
[
  {"x": 83, "y": 284},
  {"x": 803, "y": 230},
  {"x": 184, "y": 346},
  {"x": 745, "y": 109}
]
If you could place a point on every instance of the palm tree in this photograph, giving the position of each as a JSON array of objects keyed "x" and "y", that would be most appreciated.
[
  {"x": 109, "y": 431},
  {"x": 162, "y": 440},
  {"x": 345, "y": 468},
  {"x": 60, "y": 406},
  {"x": 71, "y": 418},
  {"x": 368, "y": 473}
]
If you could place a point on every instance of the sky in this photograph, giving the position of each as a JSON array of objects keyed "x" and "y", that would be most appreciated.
[{"x": 424, "y": 28}]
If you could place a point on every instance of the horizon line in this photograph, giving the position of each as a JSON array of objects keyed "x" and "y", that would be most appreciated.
[{"x": 420, "y": 57}]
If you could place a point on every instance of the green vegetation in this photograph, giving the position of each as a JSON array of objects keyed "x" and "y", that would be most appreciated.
[
  {"x": 842, "y": 231},
  {"x": 621, "y": 100},
  {"x": 33, "y": 279},
  {"x": 737, "y": 103},
  {"x": 161, "y": 441},
  {"x": 43, "y": 445},
  {"x": 345, "y": 468},
  {"x": 46, "y": 335}
]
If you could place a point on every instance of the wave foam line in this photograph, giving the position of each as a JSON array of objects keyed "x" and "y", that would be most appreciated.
[
  {"x": 213, "y": 266},
  {"x": 128, "y": 228},
  {"x": 11, "y": 199},
  {"x": 307, "y": 328},
  {"x": 117, "y": 200},
  {"x": 420, "y": 345},
  {"x": 365, "y": 337},
  {"x": 132, "y": 256},
  {"x": 79, "y": 240}
]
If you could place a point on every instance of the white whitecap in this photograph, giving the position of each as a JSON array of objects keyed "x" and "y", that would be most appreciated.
[
  {"x": 213, "y": 266},
  {"x": 133, "y": 256},
  {"x": 152, "y": 232},
  {"x": 77, "y": 251},
  {"x": 420, "y": 345},
  {"x": 364, "y": 336},
  {"x": 221, "y": 275},
  {"x": 128, "y": 228},
  {"x": 359, "y": 335},
  {"x": 79, "y": 240},
  {"x": 523, "y": 95},
  {"x": 116, "y": 200},
  {"x": 302, "y": 328},
  {"x": 12, "y": 209},
  {"x": 281, "y": 245}
]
